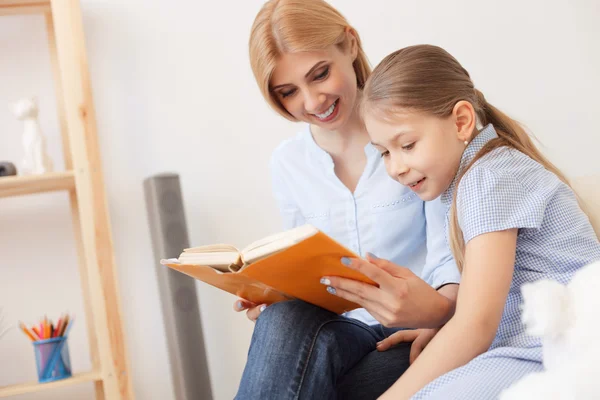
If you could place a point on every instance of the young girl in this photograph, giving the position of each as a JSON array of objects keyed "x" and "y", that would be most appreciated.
[
  {"x": 310, "y": 67},
  {"x": 513, "y": 219}
]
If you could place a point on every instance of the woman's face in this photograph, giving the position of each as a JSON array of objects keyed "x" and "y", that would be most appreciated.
[{"x": 318, "y": 87}]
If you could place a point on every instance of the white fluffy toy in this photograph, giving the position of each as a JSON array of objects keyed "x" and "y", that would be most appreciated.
[
  {"x": 567, "y": 319},
  {"x": 36, "y": 160}
]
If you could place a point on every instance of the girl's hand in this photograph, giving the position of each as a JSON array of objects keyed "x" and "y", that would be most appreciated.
[
  {"x": 419, "y": 338},
  {"x": 402, "y": 298},
  {"x": 254, "y": 310}
]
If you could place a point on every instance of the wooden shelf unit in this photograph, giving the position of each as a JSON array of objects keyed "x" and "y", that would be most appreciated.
[
  {"x": 32, "y": 387},
  {"x": 84, "y": 182},
  {"x": 20, "y": 7},
  {"x": 21, "y": 185}
]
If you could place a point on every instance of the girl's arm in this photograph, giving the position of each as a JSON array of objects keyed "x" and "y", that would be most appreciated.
[{"x": 486, "y": 280}]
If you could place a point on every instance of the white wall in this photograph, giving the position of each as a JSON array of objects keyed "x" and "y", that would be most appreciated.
[{"x": 174, "y": 92}]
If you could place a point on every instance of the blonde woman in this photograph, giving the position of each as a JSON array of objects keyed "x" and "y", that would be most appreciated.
[{"x": 311, "y": 68}]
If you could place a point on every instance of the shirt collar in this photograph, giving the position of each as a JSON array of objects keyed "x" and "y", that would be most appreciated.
[{"x": 485, "y": 135}]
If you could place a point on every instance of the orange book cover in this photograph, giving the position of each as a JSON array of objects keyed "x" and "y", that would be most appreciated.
[{"x": 294, "y": 272}]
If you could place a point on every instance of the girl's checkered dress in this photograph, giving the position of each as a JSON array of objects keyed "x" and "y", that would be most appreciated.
[{"x": 506, "y": 189}]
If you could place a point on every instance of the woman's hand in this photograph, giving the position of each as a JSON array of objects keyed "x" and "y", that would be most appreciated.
[
  {"x": 419, "y": 338},
  {"x": 402, "y": 298},
  {"x": 253, "y": 310}
]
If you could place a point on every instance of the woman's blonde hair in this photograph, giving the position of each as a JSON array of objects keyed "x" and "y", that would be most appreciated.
[
  {"x": 428, "y": 79},
  {"x": 289, "y": 26}
]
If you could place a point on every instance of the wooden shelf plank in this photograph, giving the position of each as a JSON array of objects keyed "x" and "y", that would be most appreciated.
[
  {"x": 23, "y": 3},
  {"x": 13, "y": 390},
  {"x": 30, "y": 184},
  {"x": 16, "y": 7}
]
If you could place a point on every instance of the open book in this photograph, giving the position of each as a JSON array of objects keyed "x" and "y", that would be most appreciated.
[{"x": 279, "y": 267}]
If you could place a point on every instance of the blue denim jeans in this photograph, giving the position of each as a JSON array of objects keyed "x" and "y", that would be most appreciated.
[{"x": 300, "y": 351}]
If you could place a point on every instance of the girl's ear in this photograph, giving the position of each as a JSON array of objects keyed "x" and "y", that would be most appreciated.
[{"x": 465, "y": 120}]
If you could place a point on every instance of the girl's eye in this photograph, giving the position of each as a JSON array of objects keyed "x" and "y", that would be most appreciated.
[
  {"x": 287, "y": 93},
  {"x": 408, "y": 146},
  {"x": 322, "y": 75},
  {"x": 385, "y": 154}
]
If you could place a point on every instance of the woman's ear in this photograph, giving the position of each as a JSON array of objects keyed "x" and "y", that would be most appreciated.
[
  {"x": 465, "y": 120},
  {"x": 352, "y": 41}
]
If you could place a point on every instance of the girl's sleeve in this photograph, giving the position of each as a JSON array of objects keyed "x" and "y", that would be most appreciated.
[
  {"x": 440, "y": 268},
  {"x": 491, "y": 201}
]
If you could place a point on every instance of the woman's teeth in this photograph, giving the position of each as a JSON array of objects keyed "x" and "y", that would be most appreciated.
[{"x": 328, "y": 112}]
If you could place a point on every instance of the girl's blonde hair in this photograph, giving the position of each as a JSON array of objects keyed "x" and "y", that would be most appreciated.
[
  {"x": 289, "y": 26},
  {"x": 428, "y": 79}
]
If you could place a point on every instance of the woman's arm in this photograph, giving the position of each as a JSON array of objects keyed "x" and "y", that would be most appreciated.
[
  {"x": 404, "y": 299},
  {"x": 486, "y": 280},
  {"x": 450, "y": 291}
]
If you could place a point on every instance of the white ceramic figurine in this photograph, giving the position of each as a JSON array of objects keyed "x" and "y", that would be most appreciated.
[{"x": 35, "y": 160}]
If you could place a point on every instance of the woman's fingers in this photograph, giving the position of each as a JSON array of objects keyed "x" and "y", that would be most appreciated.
[
  {"x": 398, "y": 337},
  {"x": 371, "y": 306},
  {"x": 389, "y": 267},
  {"x": 374, "y": 299},
  {"x": 241, "y": 305},
  {"x": 367, "y": 268},
  {"x": 351, "y": 290},
  {"x": 366, "y": 296},
  {"x": 253, "y": 309},
  {"x": 254, "y": 312}
]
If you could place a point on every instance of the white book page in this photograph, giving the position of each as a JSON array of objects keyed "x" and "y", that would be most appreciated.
[
  {"x": 212, "y": 248},
  {"x": 211, "y": 259},
  {"x": 219, "y": 268},
  {"x": 277, "y": 242}
]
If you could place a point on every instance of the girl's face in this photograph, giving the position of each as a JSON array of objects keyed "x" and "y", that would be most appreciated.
[
  {"x": 422, "y": 151},
  {"x": 318, "y": 87}
]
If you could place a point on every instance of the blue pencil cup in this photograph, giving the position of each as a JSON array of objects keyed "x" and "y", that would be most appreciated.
[{"x": 52, "y": 359}]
